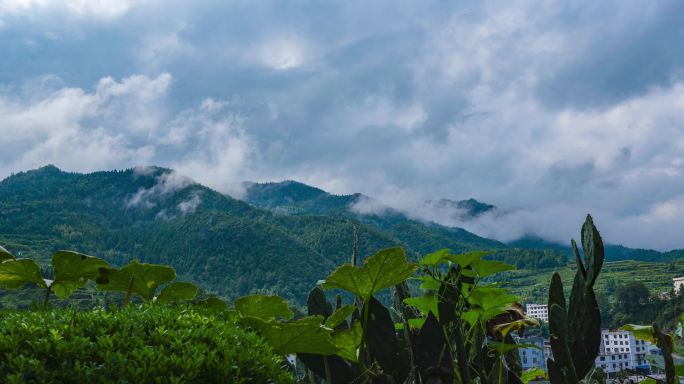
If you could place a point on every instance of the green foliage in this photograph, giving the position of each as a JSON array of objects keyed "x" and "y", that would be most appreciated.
[
  {"x": 5, "y": 254},
  {"x": 299, "y": 336},
  {"x": 152, "y": 344},
  {"x": 385, "y": 269},
  {"x": 177, "y": 291},
  {"x": 135, "y": 278},
  {"x": 462, "y": 328},
  {"x": 72, "y": 271},
  {"x": 15, "y": 273},
  {"x": 263, "y": 307},
  {"x": 576, "y": 327}
]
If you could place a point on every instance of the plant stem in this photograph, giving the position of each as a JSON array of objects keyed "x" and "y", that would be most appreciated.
[
  {"x": 47, "y": 296},
  {"x": 328, "y": 377},
  {"x": 129, "y": 291}
]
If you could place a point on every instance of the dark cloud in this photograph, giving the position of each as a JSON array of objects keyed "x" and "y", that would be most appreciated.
[{"x": 547, "y": 109}]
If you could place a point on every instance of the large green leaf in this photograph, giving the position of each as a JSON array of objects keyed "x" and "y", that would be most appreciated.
[
  {"x": 177, "y": 291},
  {"x": 385, "y": 269},
  {"x": 143, "y": 279},
  {"x": 532, "y": 374},
  {"x": 339, "y": 316},
  {"x": 213, "y": 303},
  {"x": 305, "y": 335},
  {"x": 263, "y": 307},
  {"x": 466, "y": 259},
  {"x": 348, "y": 341},
  {"x": 73, "y": 270},
  {"x": 425, "y": 304},
  {"x": 486, "y": 268},
  {"x": 17, "y": 272},
  {"x": 434, "y": 259},
  {"x": 490, "y": 301},
  {"x": 5, "y": 254}
]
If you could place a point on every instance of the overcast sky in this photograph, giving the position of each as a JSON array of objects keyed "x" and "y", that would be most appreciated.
[{"x": 547, "y": 109}]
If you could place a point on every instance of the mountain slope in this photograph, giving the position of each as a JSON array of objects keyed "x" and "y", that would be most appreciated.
[
  {"x": 156, "y": 216},
  {"x": 228, "y": 246},
  {"x": 294, "y": 198}
]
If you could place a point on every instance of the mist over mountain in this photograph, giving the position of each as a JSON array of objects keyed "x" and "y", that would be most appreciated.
[{"x": 284, "y": 237}]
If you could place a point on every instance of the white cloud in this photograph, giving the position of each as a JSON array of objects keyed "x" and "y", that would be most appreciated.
[
  {"x": 282, "y": 53},
  {"x": 190, "y": 205},
  {"x": 166, "y": 184},
  {"x": 80, "y": 130},
  {"x": 516, "y": 104},
  {"x": 81, "y": 8}
]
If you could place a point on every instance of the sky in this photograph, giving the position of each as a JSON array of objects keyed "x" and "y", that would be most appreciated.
[{"x": 548, "y": 109}]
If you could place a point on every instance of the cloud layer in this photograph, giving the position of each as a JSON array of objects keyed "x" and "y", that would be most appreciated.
[{"x": 547, "y": 109}]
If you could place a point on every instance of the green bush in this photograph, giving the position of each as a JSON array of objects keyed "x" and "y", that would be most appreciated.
[{"x": 148, "y": 344}]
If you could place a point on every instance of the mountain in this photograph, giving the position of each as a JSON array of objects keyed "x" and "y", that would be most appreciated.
[
  {"x": 613, "y": 252},
  {"x": 466, "y": 209},
  {"x": 228, "y": 246},
  {"x": 293, "y": 199}
]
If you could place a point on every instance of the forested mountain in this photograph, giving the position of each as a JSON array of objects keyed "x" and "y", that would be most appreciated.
[
  {"x": 613, "y": 252},
  {"x": 155, "y": 215},
  {"x": 286, "y": 238}
]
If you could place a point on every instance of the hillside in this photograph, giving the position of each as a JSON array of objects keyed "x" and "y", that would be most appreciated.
[
  {"x": 283, "y": 239},
  {"x": 228, "y": 246}
]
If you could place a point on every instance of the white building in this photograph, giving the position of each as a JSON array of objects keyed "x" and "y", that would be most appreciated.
[
  {"x": 677, "y": 284},
  {"x": 537, "y": 311},
  {"x": 532, "y": 357},
  {"x": 620, "y": 350}
]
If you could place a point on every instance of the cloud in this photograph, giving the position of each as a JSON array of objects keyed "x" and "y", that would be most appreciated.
[
  {"x": 82, "y": 130},
  {"x": 102, "y": 9},
  {"x": 190, "y": 205},
  {"x": 547, "y": 109},
  {"x": 166, "y": 184}
]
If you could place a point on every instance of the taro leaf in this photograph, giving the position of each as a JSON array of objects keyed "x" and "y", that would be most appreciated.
[
  {"x": 434, "y": 259},
  {"x": 305, "y": 335},
  {"x": 532, "y": 374},
  {"x": 385, "y": 269},
  {"x": 73, "y": 270},
  {"x": 429, "y": 283},
  {"x": 112, "y": 279},
  {"x": 486, "y": 268},
  {"x": 641, "y": 332},
  {"x": 213, "y": 303},
  {"x": 516, "y": 325},
  {"x": 5, "y": 254},
  {"x": 177, "y": 291},
  {"x": 348, "y": 341},
  {"x": 466, "y": 259},
  {"x": 17, "y": 272},
  {"x": 145, "y": 278},
  {"x": 425, "y": 304},
  {"x": 490, "y": 301},
  {"x": 431, "y": 351},
  {"x": 263, "y": 307},
  {"x": 317, "y": 304},
  {"x": 339, "y": 316},
  {"x": 342, "y": 371}
]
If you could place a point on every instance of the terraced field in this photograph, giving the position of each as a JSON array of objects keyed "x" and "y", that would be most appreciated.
[{"x": 532, "y": 286}]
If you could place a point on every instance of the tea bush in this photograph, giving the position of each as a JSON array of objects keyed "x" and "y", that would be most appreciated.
[{"x": 147, "y": 344}]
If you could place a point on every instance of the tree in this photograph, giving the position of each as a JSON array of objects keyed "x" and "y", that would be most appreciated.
[{"x": 632, "y": 294}]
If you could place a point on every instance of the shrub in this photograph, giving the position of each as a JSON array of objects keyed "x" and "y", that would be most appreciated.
[{"x": 147, "y": 344}]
